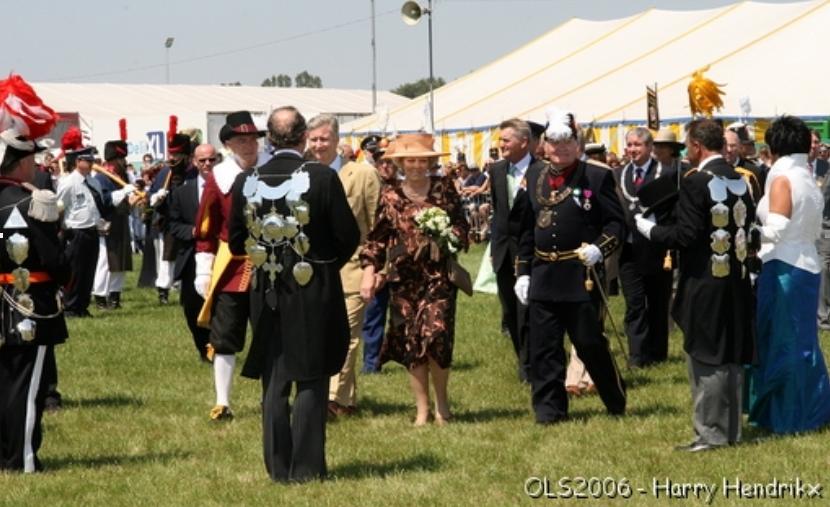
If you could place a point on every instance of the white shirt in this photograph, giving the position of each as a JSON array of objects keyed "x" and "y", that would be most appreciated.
[
  {"x": 797, "y": 244},
  {"x": 80, "y": 211},
  {"x": 200, "y": 187}
]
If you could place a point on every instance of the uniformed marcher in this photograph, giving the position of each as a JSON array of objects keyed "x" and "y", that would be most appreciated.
[
  {"x": 574, "y": 221},
  {"x": 292, "y": 219},
  {"x": 83, "y": 210},
  {"x": 32, "y": 268},
  {"x": 714, "y": 303},
  {"x": 220, "y": 278},
  {"x": 168, "y": 179},
  {"x": 115, "y": 255}
]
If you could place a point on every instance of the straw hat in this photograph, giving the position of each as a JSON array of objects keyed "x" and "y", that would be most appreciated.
[
  {"x": 667, "y": 136},
  {"x": 413, "y": 146}
]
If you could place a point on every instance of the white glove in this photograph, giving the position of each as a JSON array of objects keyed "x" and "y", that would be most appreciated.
[
  {"x": 645, "y": 224},
  {"x": 204, "y": 269},
  {"x": 119, "y": 195},
  {"x": 158, "y": 196},
  {"x": 773, "y": 227},
  {"x": 589, "y": 254},
  {"x": 521, "y": 288}
]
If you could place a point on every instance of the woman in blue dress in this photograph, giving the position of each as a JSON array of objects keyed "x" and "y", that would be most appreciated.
[{"x": 789, "y": 388}]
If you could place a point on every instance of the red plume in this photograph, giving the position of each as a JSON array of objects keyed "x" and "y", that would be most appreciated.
[
  {"x": 122, "y": 128},
  {"x": 72, "y": 139},
  {"x": 21, "y": 108},
  {"x": 173, "y": 128}
]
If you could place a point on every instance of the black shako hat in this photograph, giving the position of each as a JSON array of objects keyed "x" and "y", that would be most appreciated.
[
  {"x": 179, "y": 144},
  {"x": 239, "y": 123},
  {"x": 370, "y": 143},
  {"x": 114, "y": 150}
]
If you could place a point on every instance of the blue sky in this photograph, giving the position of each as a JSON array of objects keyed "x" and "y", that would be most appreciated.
[{"x": 249, "y": 40}]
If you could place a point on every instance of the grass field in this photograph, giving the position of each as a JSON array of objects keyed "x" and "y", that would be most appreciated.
[{"x": 134, "y": 431}]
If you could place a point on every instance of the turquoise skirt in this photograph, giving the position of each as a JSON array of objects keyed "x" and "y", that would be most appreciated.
[{"x": 789, "y": 390}]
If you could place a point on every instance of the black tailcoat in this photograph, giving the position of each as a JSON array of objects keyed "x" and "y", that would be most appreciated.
[
  {"x": 306, "y": 330},
  {"x": 715, "y": 314},
  {"x": 45, "y": 255}
]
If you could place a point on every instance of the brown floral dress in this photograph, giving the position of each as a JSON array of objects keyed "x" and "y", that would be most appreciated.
[{"x": 422, "y": 298}]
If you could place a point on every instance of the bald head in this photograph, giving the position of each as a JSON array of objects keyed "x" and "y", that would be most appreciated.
[
  {"x": 287, "y": 129},
  {"x": 204, "y": 157}
]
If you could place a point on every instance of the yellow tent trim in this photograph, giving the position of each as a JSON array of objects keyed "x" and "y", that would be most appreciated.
[
  {"x": 552, "y": 64},
  {"x": 641, "y": 56},
  {"x": 726, "y": 56}
]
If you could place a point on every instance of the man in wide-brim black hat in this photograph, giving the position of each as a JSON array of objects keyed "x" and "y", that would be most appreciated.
[{"x": 225, "y": 310}]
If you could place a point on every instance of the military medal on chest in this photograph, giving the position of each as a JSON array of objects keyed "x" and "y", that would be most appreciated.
[{"x": 271, "y": 234}]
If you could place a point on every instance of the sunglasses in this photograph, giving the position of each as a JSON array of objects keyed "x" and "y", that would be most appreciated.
[{"x": 206, "y": 160}]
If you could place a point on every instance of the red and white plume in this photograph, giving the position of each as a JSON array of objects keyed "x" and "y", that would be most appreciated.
[
  {"x": 122, "y": 129},
  {"x": 23, "y": 110}
]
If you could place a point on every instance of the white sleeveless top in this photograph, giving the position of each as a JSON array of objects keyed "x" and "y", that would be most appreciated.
[{"x": 797, "y": 245}]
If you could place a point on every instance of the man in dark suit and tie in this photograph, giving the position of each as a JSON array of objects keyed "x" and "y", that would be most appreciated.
[
  {"x": 645, "y": 283},
  {"x": 184, "y": 204},
  {"x": 507, "y": 182}
]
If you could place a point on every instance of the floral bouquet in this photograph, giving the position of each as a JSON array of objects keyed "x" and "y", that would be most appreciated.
[{"x": 435, "y": 224}]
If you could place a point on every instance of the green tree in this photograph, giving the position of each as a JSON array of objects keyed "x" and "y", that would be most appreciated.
[
  {"x": 306, "y": 80},
  {"x": 418, "y": 88},
  {"x": 235, "y": 83},
  {"x": 280, "y": 81}
]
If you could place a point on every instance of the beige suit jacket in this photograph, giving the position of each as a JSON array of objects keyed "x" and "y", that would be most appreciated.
[{"x": 362, "y": 185}]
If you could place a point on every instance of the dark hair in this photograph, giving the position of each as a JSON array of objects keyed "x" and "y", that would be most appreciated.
[
  {"x": 286, "y": 134},
  {"x": 788, "y": 135},
  {"x": 709, "y": 133}
]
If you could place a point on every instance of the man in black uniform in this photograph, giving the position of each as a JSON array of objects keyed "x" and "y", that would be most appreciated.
[
  {"x": 32, "y": 267},
  {"x": 573, "y": 220},
  {"x": 292, "y": 219},
  {"x": 507, "y": 184},
  {"x": 168, "y": 179},
  {"x": 115, "y": 256},
  {"x": 714, "y": 303}
]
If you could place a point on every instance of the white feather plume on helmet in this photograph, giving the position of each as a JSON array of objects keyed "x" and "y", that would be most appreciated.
[{"x": 561, "y": 125}]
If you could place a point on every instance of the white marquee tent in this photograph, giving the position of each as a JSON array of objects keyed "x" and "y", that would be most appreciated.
[
  {"x": 98, "y": 107},
  {"x": 768, "y": 53}
]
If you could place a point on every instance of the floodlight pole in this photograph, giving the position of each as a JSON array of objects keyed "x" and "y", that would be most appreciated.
[
  {"x": 374, "y": 64},
  {"x": 431, "y": 95},
  {"x": 167, "y": 45}
]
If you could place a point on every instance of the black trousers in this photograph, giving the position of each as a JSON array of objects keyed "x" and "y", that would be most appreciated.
[
  {"x": 581, "y": 320},
  {"x": 647, "y": 300},
  {"x": 514, "y": 316},
  {"x": 229, "y": 321},
  {"x": 82, "y": 253},
  {"x": 192, "y": 303},
  {"x": 294, "y": 437},
  {"x": 21, "y": 406}
]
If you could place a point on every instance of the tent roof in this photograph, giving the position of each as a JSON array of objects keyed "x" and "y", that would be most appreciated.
[
  {"x": 117, "y": 100},
  {"x": 599, "y": 69}
]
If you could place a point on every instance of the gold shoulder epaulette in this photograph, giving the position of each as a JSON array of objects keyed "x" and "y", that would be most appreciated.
[{"x": 691, "y": 171}]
